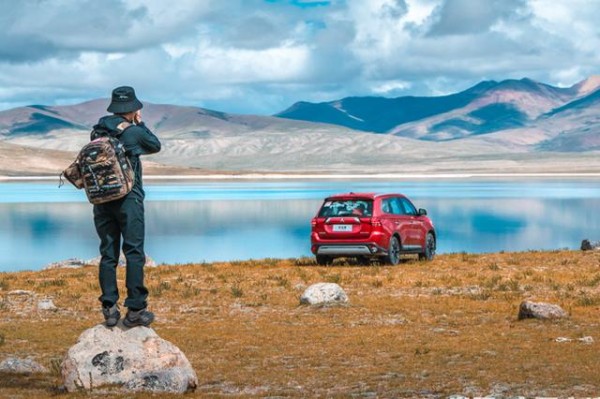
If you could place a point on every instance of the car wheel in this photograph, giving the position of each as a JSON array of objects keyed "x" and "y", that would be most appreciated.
[
  {"x": 393, "y": 256},
  {"x": 323, "y": 260},
  {"x": 429, "y": 252}
]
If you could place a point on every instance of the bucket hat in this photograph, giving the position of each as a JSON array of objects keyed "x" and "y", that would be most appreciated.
[{"x": 124, "y": 101}]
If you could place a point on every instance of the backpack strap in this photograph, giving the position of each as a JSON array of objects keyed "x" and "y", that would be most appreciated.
[
  {"x": 122, "y": 126},
  {"x": 100, "y": 131}
]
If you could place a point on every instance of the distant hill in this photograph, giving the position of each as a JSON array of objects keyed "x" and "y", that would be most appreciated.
[
  {"x": 508, "y": 126},
  {"x": 378, "y": 114},
  {"x": 485, "y": 108}
]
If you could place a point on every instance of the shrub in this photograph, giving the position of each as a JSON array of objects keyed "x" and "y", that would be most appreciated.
[
  {"x": 482, "y": 295},
  {"x": 334, "y": 278},
  {"x": 160, "y": 289},
  {"x": 236, "y": 291},
  {"x": 494, "y": 266},
  {"x": 586, "y": 300},
  {"x": 53, "y": 283},
  {"x": 55, "y": 366}
]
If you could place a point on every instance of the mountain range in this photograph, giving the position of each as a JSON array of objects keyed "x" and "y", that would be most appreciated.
[
  {"x": 508, "y": 126},
  {"x": 564, "y": 114}
]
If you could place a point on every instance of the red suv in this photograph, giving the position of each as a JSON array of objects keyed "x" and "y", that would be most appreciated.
[{"x": 368, "y": 225}]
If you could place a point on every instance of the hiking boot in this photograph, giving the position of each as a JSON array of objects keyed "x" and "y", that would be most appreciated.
[
  {"x": 111, "y": 315},
  {"x": 136, "y": 318}
]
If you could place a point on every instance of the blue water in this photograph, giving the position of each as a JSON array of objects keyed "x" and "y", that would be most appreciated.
[{"x": 195, "y": 222}]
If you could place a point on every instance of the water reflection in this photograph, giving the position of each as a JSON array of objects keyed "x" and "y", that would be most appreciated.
[{"x": 225, "y": 221}]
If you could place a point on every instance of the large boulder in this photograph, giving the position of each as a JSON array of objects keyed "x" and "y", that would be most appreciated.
[
  {"x": 324, "y": 294},
  {"x": 136, "y": 359},
  {"x": 540, "y": 310}
]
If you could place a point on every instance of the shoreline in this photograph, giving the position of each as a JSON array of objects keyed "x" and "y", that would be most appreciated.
[
  {"x": 77, "y": 263},
  {"x": 330, "y": 176}
]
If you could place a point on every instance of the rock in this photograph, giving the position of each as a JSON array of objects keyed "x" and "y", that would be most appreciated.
[
  {"x": 323, "y": 294},
  {"x": 21, "y": 366},
  {"x": 586, "y": 340},
  {"x": 122, "y": 262},
  {"x": 20, "y": 294},
  {"x": 562, "y": 339},
  {"x": 46, "y": 304},
  {"x": 20, "y": 301},
  {"x": 587, "y": 245},
  {"x": 73, "y": 263},
  {"x": 136, "y": 359},
  {"x": 540, "y": 310}
]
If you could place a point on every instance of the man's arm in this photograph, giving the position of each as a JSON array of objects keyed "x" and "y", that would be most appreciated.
[{"x": 148, "y": 141}]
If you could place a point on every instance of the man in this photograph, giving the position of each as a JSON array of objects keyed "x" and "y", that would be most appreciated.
[{"x": 124, "y": 218}]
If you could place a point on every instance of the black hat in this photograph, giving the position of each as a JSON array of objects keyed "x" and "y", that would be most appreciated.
[{"x": 124, "y": 101}]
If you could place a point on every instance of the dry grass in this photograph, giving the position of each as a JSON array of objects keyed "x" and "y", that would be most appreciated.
[{"x": 415, "y": 330}]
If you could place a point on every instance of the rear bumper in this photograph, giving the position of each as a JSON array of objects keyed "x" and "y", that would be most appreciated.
[{"x": 370, "y": 249}]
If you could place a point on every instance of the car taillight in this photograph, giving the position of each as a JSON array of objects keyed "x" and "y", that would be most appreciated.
[
  {"x": 313, "y": 222},
  {"x": 376, "y": 222}
]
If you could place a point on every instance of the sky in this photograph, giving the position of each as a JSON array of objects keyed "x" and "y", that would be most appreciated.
[{"x": 261, "y": 56}]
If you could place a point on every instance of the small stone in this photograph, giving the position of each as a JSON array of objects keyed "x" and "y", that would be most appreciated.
[
  {"x": 563, "y": 339},
  {"x": 586, "y": 340},
  {"x": 21, "y": 293},
  {"x": 71, "y": 263},
  {"x": 20, "y": 301},
  {"x": 46, "y": 304},
  {"x": 323, "y": 294},
  {"x": 540, "y": 310},
  {"x": 21, "y": 366}
]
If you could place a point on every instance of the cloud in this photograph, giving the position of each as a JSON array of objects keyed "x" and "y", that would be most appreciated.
[
  {"x": 467, "y": 16},
  {"x": 87, "y": 25},
  {"x": 260, "y": 56}
]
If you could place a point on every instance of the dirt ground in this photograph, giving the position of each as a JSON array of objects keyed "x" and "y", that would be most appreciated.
[{"x": 420, "y": 329}]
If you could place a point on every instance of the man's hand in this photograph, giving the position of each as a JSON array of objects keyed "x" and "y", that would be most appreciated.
[{"x": 137, "y": 117}]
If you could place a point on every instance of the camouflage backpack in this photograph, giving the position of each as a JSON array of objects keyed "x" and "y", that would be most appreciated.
[{"x": 102, "y": 167}]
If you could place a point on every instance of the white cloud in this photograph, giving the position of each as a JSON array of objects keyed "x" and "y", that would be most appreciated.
[
  {"x": 259, "y": 56},
  {"x": 390, "y": 86},
  {"x": 219, "y": 65}
]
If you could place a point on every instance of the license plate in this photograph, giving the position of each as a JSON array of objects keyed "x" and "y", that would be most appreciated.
[{"x": 342, "y": 227}]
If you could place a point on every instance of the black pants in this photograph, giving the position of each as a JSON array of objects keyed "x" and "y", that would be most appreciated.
[{"x": 123, "y": 218}]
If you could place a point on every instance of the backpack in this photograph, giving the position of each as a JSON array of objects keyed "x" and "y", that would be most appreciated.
[{"x": 102, "y": 167}]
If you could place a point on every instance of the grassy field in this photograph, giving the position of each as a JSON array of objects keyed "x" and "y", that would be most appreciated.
[{"x": 415, "y": 330}]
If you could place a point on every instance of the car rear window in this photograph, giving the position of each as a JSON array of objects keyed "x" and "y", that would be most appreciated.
[{"x": 352, "y": 207}]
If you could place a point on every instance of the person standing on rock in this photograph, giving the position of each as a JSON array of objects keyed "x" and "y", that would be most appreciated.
[{"x": 124, "y": 218}]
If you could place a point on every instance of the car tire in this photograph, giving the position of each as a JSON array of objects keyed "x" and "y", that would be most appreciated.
[
  {"x": 323, "y": 260},
  {"x": 429, "y": 250},
  {"x": 393, "y": 256}
]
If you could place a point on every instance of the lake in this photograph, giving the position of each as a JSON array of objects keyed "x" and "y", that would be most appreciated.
[{"x": 213, "y": 221}]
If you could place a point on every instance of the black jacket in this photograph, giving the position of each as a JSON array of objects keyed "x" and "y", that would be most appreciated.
[{"x": 138, "y": 140}]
